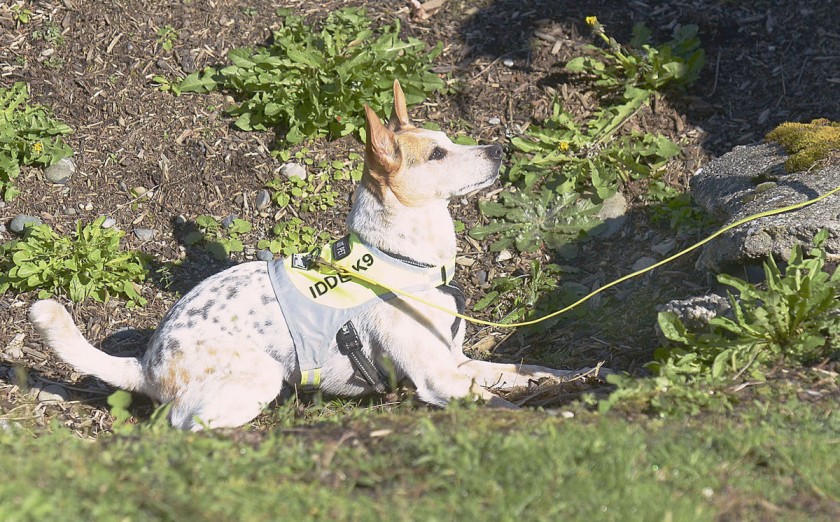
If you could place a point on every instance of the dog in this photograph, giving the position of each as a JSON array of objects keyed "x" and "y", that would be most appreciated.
[{"x": 229, "y": 346}]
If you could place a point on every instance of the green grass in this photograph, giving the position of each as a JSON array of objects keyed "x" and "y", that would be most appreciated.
[{"x": 462, "y": 463}]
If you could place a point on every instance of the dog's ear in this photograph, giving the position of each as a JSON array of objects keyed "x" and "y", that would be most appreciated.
[
  {"x": 381, "y": 151},
  {"x": 399, "y": 116}
]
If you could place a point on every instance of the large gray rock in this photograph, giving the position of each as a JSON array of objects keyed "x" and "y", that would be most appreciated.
[{"x": 752, "y": 179}]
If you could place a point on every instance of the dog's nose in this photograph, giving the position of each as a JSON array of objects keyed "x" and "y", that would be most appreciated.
[{"x": 495, "y": 152}]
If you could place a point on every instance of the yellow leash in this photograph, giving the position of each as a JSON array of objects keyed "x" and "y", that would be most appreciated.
[{"x": 667, "y": 260}]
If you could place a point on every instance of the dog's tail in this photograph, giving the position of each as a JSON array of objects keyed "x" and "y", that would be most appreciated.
[{"x": 61, "y": 334}]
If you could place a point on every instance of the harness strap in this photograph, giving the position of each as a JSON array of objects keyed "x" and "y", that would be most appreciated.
[
  {"x": 454, "y": 289},
  {"x": 350, "y": 345}
]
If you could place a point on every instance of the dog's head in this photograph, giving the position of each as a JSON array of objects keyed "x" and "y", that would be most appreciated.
[{"x": 420, "y": 166}]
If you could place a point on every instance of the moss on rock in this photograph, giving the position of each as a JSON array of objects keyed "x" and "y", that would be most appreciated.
[{"x": 806, "y": 143}]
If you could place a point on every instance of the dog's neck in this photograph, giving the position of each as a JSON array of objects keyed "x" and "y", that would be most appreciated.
[{"x": 423, "y": 234}]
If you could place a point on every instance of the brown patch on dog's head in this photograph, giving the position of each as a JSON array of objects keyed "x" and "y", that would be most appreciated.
[{"x": 421, "y": 166}]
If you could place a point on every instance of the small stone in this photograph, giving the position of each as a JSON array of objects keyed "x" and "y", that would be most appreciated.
[
  {"x": 494, "y": 120},
  {"x": 464, "y": 261},
  {"x": 290, "y": 170},
  {"x": 239, "y": 200},
  {"x": 145, "y": 234},
  {"x": 263, "y": 199},
  {"x": 227, "y": 222},
  {"x": 664, "y": 247},
  {"x": 504, "y": 255},
  {"x": 61, "y": 172},
  {"x": 507, "y": 62},
  {"x": 21, "y": 222},
  {"x": 70, "y": 211},
  {"x": 15, "y": 348},
  {"x": 566, "y": 414},
  {"x": 52, "y": 393},
  {"x": 88, "y": 206},
  {"x": 109, "y": 222},
  {"x": 482, "y": 277},
  {"x": 265, "y": 255},
  {"x": 613, "y": 212},
  {"x": 642, "y": 263}
]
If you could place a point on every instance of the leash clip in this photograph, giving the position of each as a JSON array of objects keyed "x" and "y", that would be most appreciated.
[{"x": 306, "y": 261}]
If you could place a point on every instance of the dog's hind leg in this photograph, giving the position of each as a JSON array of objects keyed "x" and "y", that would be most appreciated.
[{"x": 229, "y": 400}]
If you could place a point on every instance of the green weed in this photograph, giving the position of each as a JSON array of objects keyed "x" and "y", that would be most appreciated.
[
  {"x": 309, "y": 195},
  {"x": 568, "y": 157},
  {"x": 21, "y": 15},
  {"x": 293, "y": 236},
  {"x": 674, "y": 209},
  {"x": 89, "y": 265},
  {"x": 166, "y": 37},
  {"x": 313, "y": 81},
  {"x": 219, "y": 240},
  {"x": 50, "y": 33},
  {"x": 29, "y": 135},
  {"x": 795, "y": 319},
  {"x": 316, "y": 192},
  {"x": 591, "y": 159},
  {"x": 528, "y": 295},
  {"x": 676, "y": 63},
  {"x": 528, "y": 220}
]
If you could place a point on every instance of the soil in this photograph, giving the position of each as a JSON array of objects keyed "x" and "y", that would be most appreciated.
[{"x": 93, "y": 62}]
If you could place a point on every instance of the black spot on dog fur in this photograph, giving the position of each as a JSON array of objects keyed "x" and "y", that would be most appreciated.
[
  {"x": 267, "y": 299},
  {"x": 232, "y": 291},
  {"x": 203, "y": 311}
]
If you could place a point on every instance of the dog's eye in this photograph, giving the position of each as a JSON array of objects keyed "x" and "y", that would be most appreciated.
[{"x": 437, "y": 154}]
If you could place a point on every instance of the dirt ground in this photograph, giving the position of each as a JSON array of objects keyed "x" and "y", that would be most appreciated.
[{"x": 92, "y": 62}]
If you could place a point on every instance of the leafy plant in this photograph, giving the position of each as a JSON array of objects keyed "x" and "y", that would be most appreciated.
[
  {"x": 293, "y": 236},
  {"x": 795, "y": 319},
  {"x": 642, "y": 65},
  {"x": 313, "y": 81},
  {"x": 21, "y": 15},
  {"x": 528, "y": 295},
  {"x": 219, "y": 238},
  {"x": 309, "y": 195},
  {"x": 675, "y": 210},
  {"x": 166, "y": 37},
  {"x": 89, "y": 265},
  {"x": 569, "y": 157},
  {"x": 28, "y": 136},
  {"x": 120, "y": 401},
  {"x": 529, "y": 220},
  {"x": 50, "y": 33}
]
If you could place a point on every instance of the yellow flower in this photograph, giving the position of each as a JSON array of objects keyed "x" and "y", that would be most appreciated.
[
  {"x": 592, "y": 21},
  {"x": 564, "y": 146},
  {"x": 37, "y": 147}
]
